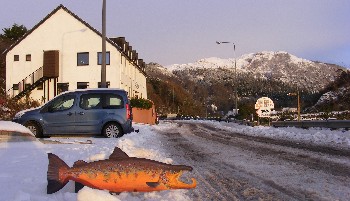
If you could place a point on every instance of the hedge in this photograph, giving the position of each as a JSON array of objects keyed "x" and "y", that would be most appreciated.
[{"x": 141, "y": 103}]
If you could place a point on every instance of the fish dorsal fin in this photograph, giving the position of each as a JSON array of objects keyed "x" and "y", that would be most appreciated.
[
  {"x": 79, "y": 163},
  {"x": 118, "y": 154}
]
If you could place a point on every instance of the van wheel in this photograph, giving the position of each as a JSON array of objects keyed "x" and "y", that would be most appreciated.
[
  {"x": 34, "y": 128},
  {"x": 112, "y": 130}
]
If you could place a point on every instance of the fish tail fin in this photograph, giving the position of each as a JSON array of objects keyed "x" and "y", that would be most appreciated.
[{"x": 54, "y": 182}]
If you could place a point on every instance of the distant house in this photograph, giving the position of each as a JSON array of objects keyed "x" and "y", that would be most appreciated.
[
  {"x": 289, "y": 109},
  {"x": 63, "y": 52}
]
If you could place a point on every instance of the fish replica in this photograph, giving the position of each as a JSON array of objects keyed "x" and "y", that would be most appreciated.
[{"x": 119, "y": 173}]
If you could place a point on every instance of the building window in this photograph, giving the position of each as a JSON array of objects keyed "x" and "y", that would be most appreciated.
[
  {"x": 99, "y": 58},
  {"x": 27, "y": 86},
  {"x": 107, "y": 83},
  {"x": 82, "y": 85},
  {"x": 16, "y": 57},
  {"x": 15, "y": 86},
  {"x": 28, "y": 57},
  {"x": 62, "y": 87},
  {"x": 83, "y": 59},
  {"x": 40, "y": 86}
]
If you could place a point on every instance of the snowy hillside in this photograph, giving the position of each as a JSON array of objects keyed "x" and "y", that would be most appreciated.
[
  {"x": 272, "y": 74},
  {"x": 280, "y": 66},
  {"x": 337, "y": 94}
]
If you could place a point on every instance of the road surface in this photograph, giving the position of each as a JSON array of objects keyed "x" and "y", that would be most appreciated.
[{"x": 232, "y": 166}]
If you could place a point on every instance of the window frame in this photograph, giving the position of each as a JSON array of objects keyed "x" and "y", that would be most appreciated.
[
  {"x": 108, "y": 58},
  {"x": 61, "y": 87},
  {"x": 40, "y": 86},
  {"x": 15, "y": 86},
  {"x": 108, "y": 83},
  {"x": 81, "y": 54},
  {"x": 27, "y": 85},
  {"x": 28, "y": 57},
  {"x": 82, "y": 83},
  {"x": 16, "y": 57}
]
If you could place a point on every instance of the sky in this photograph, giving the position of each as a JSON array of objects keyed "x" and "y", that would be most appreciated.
[{"x": 182, "y": 31}]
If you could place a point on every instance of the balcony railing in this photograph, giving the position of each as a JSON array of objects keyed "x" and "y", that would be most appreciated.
[{"x": 26, "y": 84}]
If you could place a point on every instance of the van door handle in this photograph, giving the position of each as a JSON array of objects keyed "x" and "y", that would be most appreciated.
[
  {"x": 81, "y": 113},
  {"x": 69, "y": 114}
]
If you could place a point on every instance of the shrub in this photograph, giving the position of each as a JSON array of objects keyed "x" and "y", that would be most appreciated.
[
  {"x": 141, "y": 103},
  {"x": 9, "y": 107}
]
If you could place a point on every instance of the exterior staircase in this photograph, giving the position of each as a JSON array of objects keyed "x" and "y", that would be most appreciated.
[
  {"x": 28, "y": 84},
  {"x": 50, "y": 69}
]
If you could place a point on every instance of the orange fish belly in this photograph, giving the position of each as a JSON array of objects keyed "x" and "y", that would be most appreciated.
[{"x": 119, "y": 182}]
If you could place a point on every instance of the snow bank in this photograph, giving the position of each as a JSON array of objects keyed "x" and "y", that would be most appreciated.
[
  {"x": 324, "y": 136},
  {"x": 12, "y": 126},
  {"x": 24, "y": 165}
]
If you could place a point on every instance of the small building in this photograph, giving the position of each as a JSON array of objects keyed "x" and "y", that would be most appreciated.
[
  {"x": 63, "y": 52},
  {"x": 289, "y": 109}
]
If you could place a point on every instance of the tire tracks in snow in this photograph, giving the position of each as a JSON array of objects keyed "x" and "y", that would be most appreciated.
[
  {"x": 215, "y": 155},
  {"x": 216, "y": 179}
]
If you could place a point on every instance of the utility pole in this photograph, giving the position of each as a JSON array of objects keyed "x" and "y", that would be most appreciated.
[{"x": 103, "y": 67}]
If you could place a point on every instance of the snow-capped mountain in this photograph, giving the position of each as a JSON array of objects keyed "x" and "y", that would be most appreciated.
[
  {"x": 212, "y": 80},
  {"x": 281, "y": 66}
]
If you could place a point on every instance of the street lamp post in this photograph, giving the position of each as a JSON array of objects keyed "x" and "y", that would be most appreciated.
[
  {"x": 103, "y": 67},
  {"x": 298, "y": 95},
  {"x": 235, "y": 72}
]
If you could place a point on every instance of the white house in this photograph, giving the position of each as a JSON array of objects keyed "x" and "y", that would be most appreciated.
[{"x": 63, "y": 52}]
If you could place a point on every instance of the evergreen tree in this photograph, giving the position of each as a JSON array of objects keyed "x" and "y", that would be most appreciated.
[{"x": 13, "y": 33}]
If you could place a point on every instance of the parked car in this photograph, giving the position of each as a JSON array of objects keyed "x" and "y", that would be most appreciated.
[{"x": 83, "y": 111}]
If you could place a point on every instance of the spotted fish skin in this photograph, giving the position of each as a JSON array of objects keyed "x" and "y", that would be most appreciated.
[{"x": 119, "y": 173}]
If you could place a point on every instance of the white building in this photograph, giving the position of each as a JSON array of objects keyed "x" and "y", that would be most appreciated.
[
  {"x": 63, "y": 52},
  {"x": 289, "y": 109}
]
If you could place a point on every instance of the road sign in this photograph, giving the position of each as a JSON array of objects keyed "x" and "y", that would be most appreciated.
[
  {"x": 263, "y": 112},
  {"x": 264, "y": 106},
  {"x": 264, "y": 102}
]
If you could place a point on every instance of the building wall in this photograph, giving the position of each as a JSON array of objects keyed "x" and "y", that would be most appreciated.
[{"x": 70, "y": 36}]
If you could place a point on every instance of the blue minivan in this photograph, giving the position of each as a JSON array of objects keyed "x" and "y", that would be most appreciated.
[{"x": 83, "y": 111}]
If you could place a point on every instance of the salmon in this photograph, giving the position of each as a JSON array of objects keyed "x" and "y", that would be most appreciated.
[{"x": 119, "y": 173}]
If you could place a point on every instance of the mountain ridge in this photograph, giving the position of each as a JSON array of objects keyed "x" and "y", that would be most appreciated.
[
  {"x": 212, "y": 81},
  {"x": 270, "y": 65}
]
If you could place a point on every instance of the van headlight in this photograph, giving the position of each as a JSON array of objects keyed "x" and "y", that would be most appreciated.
[{"x": 18, "y": 115}]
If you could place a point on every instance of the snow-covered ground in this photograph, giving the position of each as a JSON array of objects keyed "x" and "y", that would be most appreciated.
[
  {"x": 23, "y": 166},
  {"x": 318, "y": 136}
]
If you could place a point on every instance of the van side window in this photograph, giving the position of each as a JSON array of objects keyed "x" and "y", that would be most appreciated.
[
  {"x": 113, "y": 101},
  {"x": 90, "y": 101},
  {"x": 62, "y": 103},
  {"x": 101, "y": 101}
]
